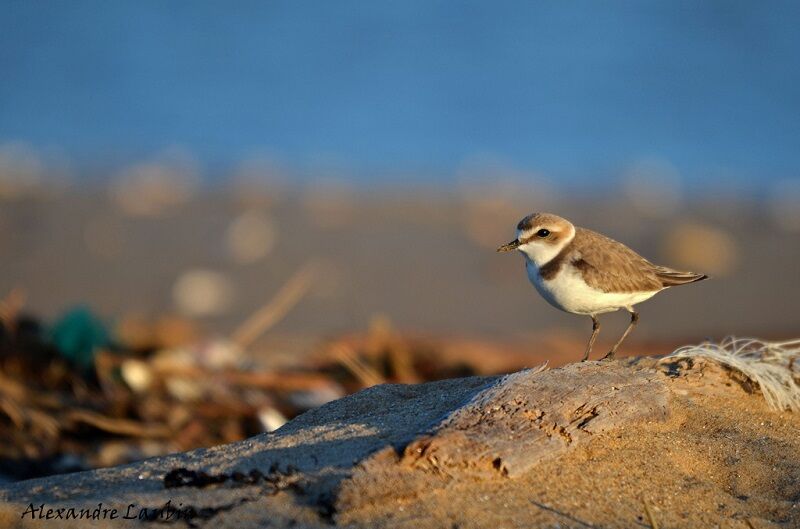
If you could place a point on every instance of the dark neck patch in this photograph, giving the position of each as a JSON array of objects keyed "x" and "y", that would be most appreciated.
[{"x": 549, "y": 270}]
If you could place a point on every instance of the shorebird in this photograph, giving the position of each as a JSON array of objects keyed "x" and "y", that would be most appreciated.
[{"x": 583, "y": 272}]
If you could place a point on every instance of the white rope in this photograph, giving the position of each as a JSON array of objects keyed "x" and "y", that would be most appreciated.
[{"x": 774, "y": 366}]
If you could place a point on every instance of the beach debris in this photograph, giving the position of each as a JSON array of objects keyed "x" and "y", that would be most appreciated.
[
  {"x": 137, "y": 374},
  {"x": 78, "y": 335},
  {"x": 201, "y": 292},
  {"x": 271, "y": 419},
  {"x": 250, "y": 237}
]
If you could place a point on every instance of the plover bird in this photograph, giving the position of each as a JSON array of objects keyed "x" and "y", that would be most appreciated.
[{"x": 583, "y": 272}]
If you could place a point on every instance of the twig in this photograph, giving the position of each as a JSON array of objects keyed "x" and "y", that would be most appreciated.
[
  {"x": 45, "y": 423},
  {"x": 364, "y": 373},
  {"x": 39, "y": 420},
  {"x": 273, "y": 311},
  {"x": 266, "y": 380},
  {"x": 402, "y": 364},
  {"x": 565, "y": 515},
  {"x": 12, "y": 411},
  {"x": 118, "y": 426},
  {"x": 649, "y": 514},
  {"x": 17, "y": 391}
]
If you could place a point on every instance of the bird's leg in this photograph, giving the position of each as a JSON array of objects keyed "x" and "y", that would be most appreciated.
[
  {"x": 595, "y": 330},
  {"x": 631, "y": 325}
]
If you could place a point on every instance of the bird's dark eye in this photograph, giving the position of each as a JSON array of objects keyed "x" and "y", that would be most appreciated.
[{"x": 543, "y": 233}]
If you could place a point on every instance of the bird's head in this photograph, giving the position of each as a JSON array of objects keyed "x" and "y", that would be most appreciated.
[{"x": 540, "y": 236}]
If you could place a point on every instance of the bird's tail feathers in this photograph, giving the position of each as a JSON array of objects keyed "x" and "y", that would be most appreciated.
[{"x": 671, "y": 278}]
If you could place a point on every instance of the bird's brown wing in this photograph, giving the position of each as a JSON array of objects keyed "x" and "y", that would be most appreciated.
[{"x": 610, "y": 266}]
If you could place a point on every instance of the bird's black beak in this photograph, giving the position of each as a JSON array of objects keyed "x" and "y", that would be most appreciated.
[{"x": 513, "y": 245}]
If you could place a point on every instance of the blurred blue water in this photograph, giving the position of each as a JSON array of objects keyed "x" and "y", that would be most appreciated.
[{"x": 575, "y": 90}]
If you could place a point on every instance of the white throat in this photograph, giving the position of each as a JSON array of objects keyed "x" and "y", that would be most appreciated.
[{"x": 540, "y": 252}]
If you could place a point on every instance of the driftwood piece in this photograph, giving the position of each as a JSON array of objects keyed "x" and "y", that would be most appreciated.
[{"x": 506, "y": 429}]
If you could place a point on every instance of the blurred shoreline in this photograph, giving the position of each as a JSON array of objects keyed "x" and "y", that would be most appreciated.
[{"x": 156, "y": 242}]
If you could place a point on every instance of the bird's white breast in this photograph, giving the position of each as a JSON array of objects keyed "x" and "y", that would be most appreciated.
[{"x": 569, "y": 292}]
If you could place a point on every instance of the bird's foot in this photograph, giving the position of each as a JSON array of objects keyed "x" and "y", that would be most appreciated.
[{"x": 608, "y": 356}]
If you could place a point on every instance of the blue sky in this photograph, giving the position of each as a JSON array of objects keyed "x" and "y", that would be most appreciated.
[{"x": 573, "y": 90}]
